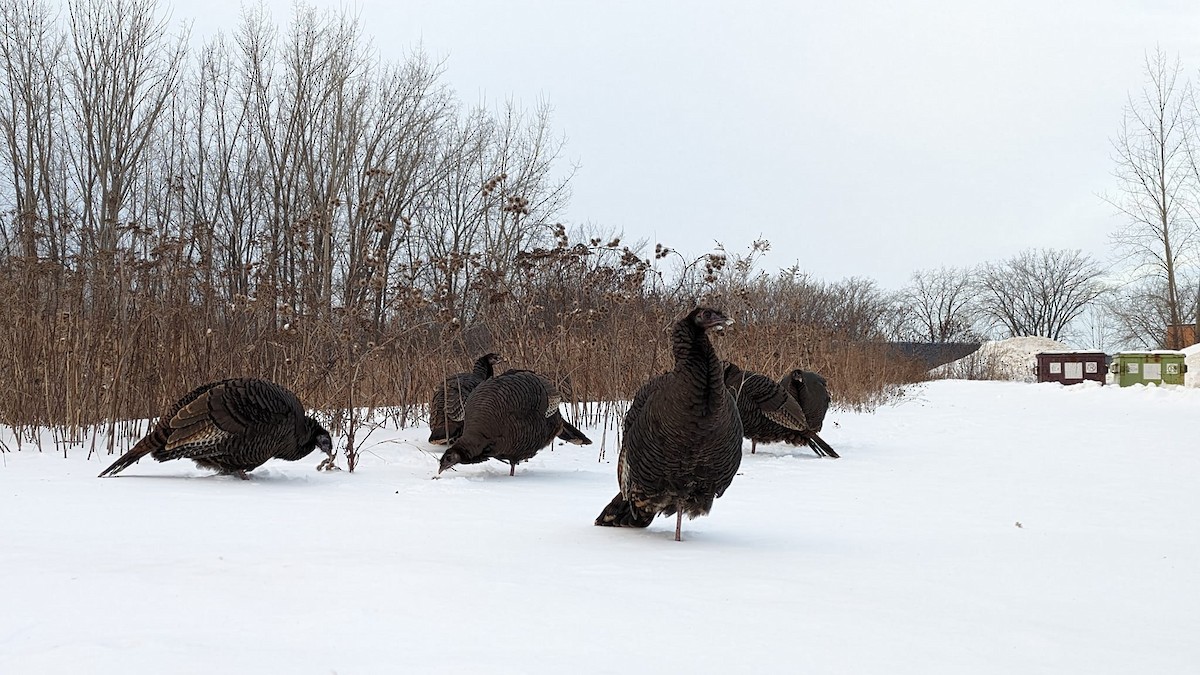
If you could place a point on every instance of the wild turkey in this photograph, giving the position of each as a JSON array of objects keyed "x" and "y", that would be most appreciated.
[
  {"x": 682, "y": 439},
  {"x": 446, "y": 409},
  {"x": 510, "y": 417},
  {"x": 769, "y": 413},
  {"x": 811, "y": 391},
  {"x": 232, "y": 426}
]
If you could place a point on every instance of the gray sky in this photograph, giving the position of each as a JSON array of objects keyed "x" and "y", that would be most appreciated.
[{"x": 861, "y": 138}]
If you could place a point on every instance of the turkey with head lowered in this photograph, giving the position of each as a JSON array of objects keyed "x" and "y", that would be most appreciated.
[{"x": 232, "y": 426}]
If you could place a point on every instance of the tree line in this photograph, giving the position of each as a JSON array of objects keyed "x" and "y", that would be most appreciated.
[
  {"x": 1148, "y": 298},
  {"x": 294, "y": 166},
  {"x": 281, "y": 202},
  {"x": 1037, "y": 292}
]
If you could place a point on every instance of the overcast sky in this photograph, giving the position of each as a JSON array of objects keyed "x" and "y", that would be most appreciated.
[{"x": 861, "y": 138}]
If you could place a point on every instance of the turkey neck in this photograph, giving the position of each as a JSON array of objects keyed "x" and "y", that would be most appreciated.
[
  {"x": 483, "y": 368},
  {"x": 697, "y": 364}
]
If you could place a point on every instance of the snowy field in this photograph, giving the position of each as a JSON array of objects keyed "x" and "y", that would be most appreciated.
[{"x": 974, "y": 527}]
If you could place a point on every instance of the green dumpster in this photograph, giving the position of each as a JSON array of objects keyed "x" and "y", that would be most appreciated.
[{"x": 1157, "y": 367}]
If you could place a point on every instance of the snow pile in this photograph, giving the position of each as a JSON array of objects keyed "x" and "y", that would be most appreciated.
[
  {"x": 973, "y": 527},
  {"x": 1192, "y": 358},
  {"x": 1011, "y": 359}
]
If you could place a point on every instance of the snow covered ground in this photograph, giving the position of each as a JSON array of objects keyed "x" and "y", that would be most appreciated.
[{"x": 974, "y": 527}]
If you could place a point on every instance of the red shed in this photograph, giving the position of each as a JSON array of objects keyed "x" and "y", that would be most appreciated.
[{"x": 1071, "y": 367}]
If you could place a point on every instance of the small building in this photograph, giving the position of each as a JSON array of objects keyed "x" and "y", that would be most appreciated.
[
  {"x": 1071, "y": 367},
  {"x": 1162, "y": 366},
  {"x": 1181, "y": 335}
]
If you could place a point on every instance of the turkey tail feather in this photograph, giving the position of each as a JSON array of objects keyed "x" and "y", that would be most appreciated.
[
  {"x": 821, "y": 446},
  {"x": 621, "y": 512},
  {"x": 143, "y": 448},
  {"x": 570, "y": 434}
]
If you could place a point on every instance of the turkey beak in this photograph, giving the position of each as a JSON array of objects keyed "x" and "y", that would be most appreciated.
[
  {"x": 325, "y": 443},
  {"x": 720, "y": 326}
]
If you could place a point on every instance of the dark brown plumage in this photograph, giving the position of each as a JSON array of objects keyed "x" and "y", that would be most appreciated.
[
  {"x": 510, "y": 417},
  {"x": 682, "y": 440},
  {"x": 446, "y": 409},
  {"x": 811, "y": 391},
  {"x": 231, "y": 426},
  {"x": 769, "y": 413}
]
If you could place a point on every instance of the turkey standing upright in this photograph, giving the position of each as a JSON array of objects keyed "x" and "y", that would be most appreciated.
[
  {"x": 232, "y": 426},
  {"x": 446, "y": 409},
  {"x": 682, "y": 440},
  {"x": 510, "y": 417}
]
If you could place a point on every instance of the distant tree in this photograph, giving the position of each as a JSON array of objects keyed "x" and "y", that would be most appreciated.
[
  {"x": 938, "y": 306},
  {"x": 123, "y": 68},
  {"x": 854, "y": 309},
  {"x": 1099, "y": 327},
  {"x": 1140, "y": 313},
  {"x": 1039, "y": 292},
  {"x": 1156, "y": 170},
  {"x": 860, "y": 308},
  {"x": 31, "y": 58}
]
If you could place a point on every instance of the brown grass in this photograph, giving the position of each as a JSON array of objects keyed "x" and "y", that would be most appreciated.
[{"x": 91, "y": 361}]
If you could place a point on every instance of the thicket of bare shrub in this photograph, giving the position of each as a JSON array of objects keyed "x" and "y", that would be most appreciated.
[{"x": 288, "y": 206}]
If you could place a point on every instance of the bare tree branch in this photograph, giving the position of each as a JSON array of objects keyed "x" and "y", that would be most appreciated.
[{"x": 1039, "y": 293}]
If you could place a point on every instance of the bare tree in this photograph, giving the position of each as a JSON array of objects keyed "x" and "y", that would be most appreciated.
[
  {"x": 496, "y": 193},
  {"x": 1140, "y": 312},
  {"x": 123, "y": 70},
  {"x": 1039, "y": 292},
  {"x": 938, "y": 306},
  {"x": 30, "y": 114},
  {"x": 855, "y": 309},
  {"x": 1158, "y": 182}
]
